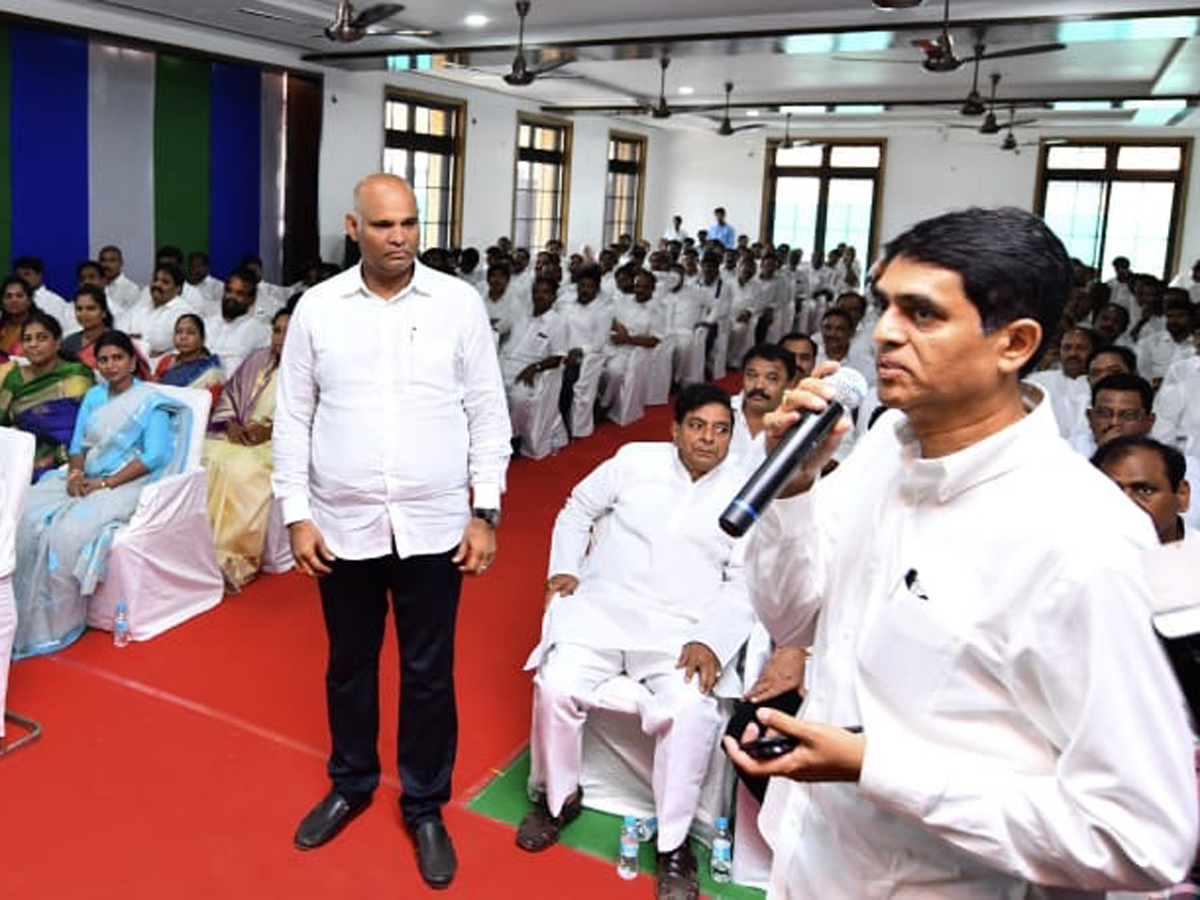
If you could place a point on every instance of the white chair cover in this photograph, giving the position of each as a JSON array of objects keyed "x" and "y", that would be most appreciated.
[
  {"x": 626, "y": 392},
  {"x": 658, "y": 382},
  {"x": 163, "y": 563},
  {"x": 536, "y": 419},
  {"x": 16, "y": 470},
  {"x": 277, "y": 551},
  {"x": 720, "y": 350},
  {"x": 583, "y": 403}
]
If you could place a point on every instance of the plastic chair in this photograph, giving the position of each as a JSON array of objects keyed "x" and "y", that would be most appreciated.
[
  {"x": 16, "y": 470},
  {"x": 536, "y": 420},
  {"x": 658, "y": 379},
  {"x": 583, "y": 401},
  {"x": 163, "y": 563}
]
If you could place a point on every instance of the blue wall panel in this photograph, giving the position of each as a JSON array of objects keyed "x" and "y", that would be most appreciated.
[
  {"x": 49, "y": 139},
  {"x": 236, "y": 161}
]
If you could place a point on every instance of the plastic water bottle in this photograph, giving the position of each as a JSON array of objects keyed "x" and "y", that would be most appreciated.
[
  {"x": 627, "y": 861},
  {"x": 722, "y": 852},
  {"x": 121, "y": 625},
  {"x": 647, "y": 829}
]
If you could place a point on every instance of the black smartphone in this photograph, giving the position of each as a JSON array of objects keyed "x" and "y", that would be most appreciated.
[{"x": 769, "y": 747}]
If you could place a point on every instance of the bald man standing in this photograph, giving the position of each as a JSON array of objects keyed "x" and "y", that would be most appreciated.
[{"x": 391, "y": 442}]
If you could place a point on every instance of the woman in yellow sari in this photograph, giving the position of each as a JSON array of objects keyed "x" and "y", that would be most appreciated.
[{"x": 237, "y": 455}]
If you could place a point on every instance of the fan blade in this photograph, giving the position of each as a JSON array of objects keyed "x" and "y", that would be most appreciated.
[
  {"x": 402, "y": 32},
  {"x": 551, "y": 66},
  {"x": 263, "y": 14},
  {"x": 1020, "y": 122},
  {"x": 842, "y": 57},
  {"x": 377, "y": 13},
  {"x": 748, "y": 127},
  {"x": 1020, "y": 51}
]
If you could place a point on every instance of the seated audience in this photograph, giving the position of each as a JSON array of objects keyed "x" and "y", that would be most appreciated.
[
  {"x": 589, "y": 320},
  {"x": 1112, "y": 325},
  {"x": 1121, "y": 407},
  {"x": 1065, "y": 387},
  {"x": 16, "y": 303},
  {"x": 32, "y": 271},
  {"x": 122, "y": 292},
  {"x": 1157, "y": 351},
  {"x": 643, "y": 583},
  {"x": 94, "y": 318},
  {"x": 198, "y": 276},
  {"x": 89, "y": 272},
  {"x": 152, "y": 319},
  {"x": 536, "y": 346},
  {"x": 1153, "y": 476},
  {"x": 1190, "y": 282},
  {"x": 1110, "y": 360},
  {"x": 1176, "y": 406},
  {"x": 236, "y": 332},
  {"x": 637, "y": 325},
  {"x": 126, "y": 436},
  {"x": 804, "y": 351},
  {"x": 43, "y": 397},
  {"x": 237, "y": 455},
  {"x": 767, "y": 371},
  {"x": 191, "y": 364}
]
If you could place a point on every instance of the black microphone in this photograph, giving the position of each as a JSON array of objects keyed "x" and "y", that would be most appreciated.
[{"x": 796, "y": 445}]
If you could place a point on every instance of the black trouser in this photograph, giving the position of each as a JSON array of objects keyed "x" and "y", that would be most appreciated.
[
  {"x": 743, "y": 715},
  {"x": 566, "y": 397},
  {"x": 354, "y": 598}
]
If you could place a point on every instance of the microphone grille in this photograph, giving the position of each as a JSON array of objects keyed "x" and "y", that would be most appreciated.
[{"x": 849, "y": 387}]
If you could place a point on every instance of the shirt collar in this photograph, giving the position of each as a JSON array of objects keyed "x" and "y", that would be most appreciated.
[
  {"x": 420, "y": 283},
  {"x": 943, "y": 478}
]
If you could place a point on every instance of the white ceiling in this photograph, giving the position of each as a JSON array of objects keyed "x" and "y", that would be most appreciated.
[{"x": 1116, "y": 49}]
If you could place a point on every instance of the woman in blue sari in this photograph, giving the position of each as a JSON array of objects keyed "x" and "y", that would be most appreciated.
[{"x": 126, "y": 436}]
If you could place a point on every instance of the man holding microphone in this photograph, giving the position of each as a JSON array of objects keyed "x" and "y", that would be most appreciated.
[{"x": 988, "y": 713}]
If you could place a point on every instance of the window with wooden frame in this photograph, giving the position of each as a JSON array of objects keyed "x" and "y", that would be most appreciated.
[
  {"x": 1109, "y": 198},
  {"x": 623, "y": 188},
  {"x": 423, "y": 143},
  {"x": 542, "y": 181},
  {"x": 823, "y": 193}
]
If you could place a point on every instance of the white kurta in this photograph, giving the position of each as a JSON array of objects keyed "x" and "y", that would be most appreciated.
[
  {"x": 155, "y": 324},
  {"x": 54, "y": 305},
  {"x": 1158, "y": 351},
  {"x": 968, "y": 612},
  {"x": 539, "y": 337},
  {"x": 234, "y": 341},
  {"x": 1069, "y": 397},
  {"x": 588, "y": 324},
  {"x": 122, "y": 294},
  {"x": 659, "y": 571},
  {"x": 1177, "y": 409}
]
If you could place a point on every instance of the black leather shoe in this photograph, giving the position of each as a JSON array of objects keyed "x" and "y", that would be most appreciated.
[
  {"x": 435, "y": 853},
  {"x": 677, "y": 876},
  {"x": 326, "y": 819}
]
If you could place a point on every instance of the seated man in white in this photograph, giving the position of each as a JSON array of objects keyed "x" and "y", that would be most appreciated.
[
  {"x": 745, "y": 308},
  {"x": 637, "y": 325},
  {"x": 767, "y": 371},
  {"x": 122, "y": 291},
  {"x": 1190, "y": 282},
  {"x": 589, "y": 321},
  {"x": 1121, "y": 407},
  {"x": 1066, "y": 387},
  {"x": 236, "y": 332},
  {"x": 32, "y": 270},
  {"x": 683, "y": 307},
  {"x": 1157, "y": 351},
  {"x": 152, "y": 319},
  {"x": 212, "y": 290},
  {"x": 536, "y": 346},
  {"x": 1175, "y": 406},
  {"x": 643, "y": 583}
]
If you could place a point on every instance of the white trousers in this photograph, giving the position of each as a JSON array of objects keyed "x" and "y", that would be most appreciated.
[
  {"x": 8, "y": 630},
  {"x": 683, "y": 721}
]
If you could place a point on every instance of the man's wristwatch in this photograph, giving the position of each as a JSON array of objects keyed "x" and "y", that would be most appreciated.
[{"x": 491, "y": 516}]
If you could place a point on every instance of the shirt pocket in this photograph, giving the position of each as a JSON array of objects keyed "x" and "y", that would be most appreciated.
[
  {"x": 432, "y": 356},
  {"x": 907, "y": 645}
]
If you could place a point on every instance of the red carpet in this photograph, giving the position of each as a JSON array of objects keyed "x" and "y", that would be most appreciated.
[{"x": 179, "y": 768}]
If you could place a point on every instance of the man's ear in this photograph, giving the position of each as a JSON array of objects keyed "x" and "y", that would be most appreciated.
[
  {"x": 352, "y": 227},
  {"x": 1019, "y": 341}
]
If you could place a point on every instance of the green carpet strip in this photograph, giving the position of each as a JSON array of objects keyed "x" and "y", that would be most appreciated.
[{"x": 594, "y": 833}]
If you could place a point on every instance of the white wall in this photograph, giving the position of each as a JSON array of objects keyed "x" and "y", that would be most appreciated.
[
  {"x": 352, "y": 146},
  {"x": 707, "y": 171}
]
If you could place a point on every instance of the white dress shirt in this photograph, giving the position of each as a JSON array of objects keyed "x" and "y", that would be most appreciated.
[
  {"x": 155, "y": 324},
  {"x": 588, "y": 324},
  {"x": 234, "y": 341},
  {"x": 654, "y": 568},
  {"x": 387, "y": 410},
  {"x": 1156, "y": 352},
  {"x": 640, "y": 320},
  {"x": 1177, "y": 409},
  {"x": 212, "y": 292},
  {"x": 747, "y": 450},
  {"x": 985, "y": 618},
  {"x": 122, "y": 294},
  {"x": 1069, "y": 397},
  {"x": 539, "y": 337},
  {"x": 54, "y": 305}
]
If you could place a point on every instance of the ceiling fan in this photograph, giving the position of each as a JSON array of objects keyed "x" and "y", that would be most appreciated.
[
  {"x": 522, "y": 74},
  {"x": 1010, "y": 144},
  {"x": 726, "y": 128},
  {"x": 990, "y": 124},
  {"x": 348, "y": 26},
  {"x": 939, "y": 55}
]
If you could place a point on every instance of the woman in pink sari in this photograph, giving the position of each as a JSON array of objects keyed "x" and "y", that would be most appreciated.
[{"x": 237, "y": 455}]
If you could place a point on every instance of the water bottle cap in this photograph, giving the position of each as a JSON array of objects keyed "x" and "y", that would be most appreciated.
[
  {"x": 631, "y": 821},
  {"x": 722, "y": 823}
]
